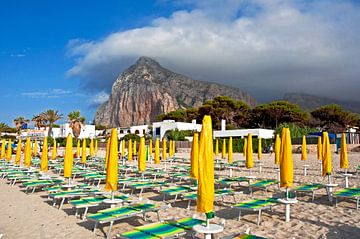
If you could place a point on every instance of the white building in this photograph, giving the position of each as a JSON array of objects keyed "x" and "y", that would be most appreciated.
[
  {"x": 160, "y": 128},
  {"x": 87, "y": 131},
  {"x": 260, "y": 133}
]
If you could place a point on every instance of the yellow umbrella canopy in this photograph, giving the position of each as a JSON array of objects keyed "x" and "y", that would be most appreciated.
[
  {"x": 157, "y": 151},
  {"x": 173, "y": 150},
  {"x": 91, "y": 153},
  {"x": 96, "y": 147},
  {"x": 3, "y": 142},
  {"x": 303, "y": 149},
  {"x": 164, "y": 149},
  {"x": 286, "y": 160},
  {"x": 112, "y": 167},
  {"x": 130, "y": 151},
  {"x": 27, "y": 156},
  {"x": 107, "y": 153},
  {"x": 35, "y": 150},
  {"x": 150, "y": 146},
  {"x": 230, "y": 151},
  {"x": 223, "y": 149},
  {"x": 326, "y": 155},
  {"x": 170, "y": 148},
  {"x": 9, "y": 151},
  {"x": 259, "y": 149},
  {"x": 344, "y": 161},
  {"x": 18, "y": 153},
  {"x": 78, "y": 148},
  {"x": 277, "y": 149},
  {"x": 54, "y": 151},
  {"x": 319, "y": 148},
  {"x": 68, "y": 159},
  {"x": 205, "y": 192},
  {"x": 249, "y": 153},
  {"x": 245, "y": 147},
  {"x": 83, "y": 152},
  {"x": 123, "y": 148},
  {"x": 194, "y": 157},
  {"x": 142, "y": 155},
  {"x": 217, "y": 147},
  {"x": 44, "y": 156},
  {"x": 134, "y": 147}
]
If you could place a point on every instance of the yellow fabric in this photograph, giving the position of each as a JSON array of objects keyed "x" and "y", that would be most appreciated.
[
  {"x": 68, "y": 159},
  {"x": 217, "y": 147},
  {"x": 164, "y": 149},
  {"x": 170, "y": 148},
  {"x": 107, "y": 153},
  {"x": 259, "y": 149},
  {"x": 150, "y": 147},
  {"x": 223, "y": 149},
  {"x": 78, "y": 148},
  {"x": 249, "y": 153},
  {"x": 130, "y": 151},
  {"x": 303, "y": 149},
  {"x": 112, "y": 167},
  {"x": 27, "y": 157},
  {"x": 157, "y": 151},
  {"x": 91, "y": 151},
  {"x": 277, "y": 149},
  {"x": 96, "y": 147},
  {"x": 173, "y": 150},
  {"x": 9, "y": 151},
  {"x": 83, "y": 152},
  {"x": 344, "y": 161},
  {"x": 134, "y": 147},
  {"x": 3, "y": 142},
  {"x": 142, "y": 155},
  {"x": 35, "y": 151},
  {"x": 205, "y": 192},
  {"x": 230, "y": 151},
  {"x": 54, "y": 151},
  {"x": 319, "y": 149},
  {"x": 44, "y": 156},
  {"x": 194, "y": 157},
  {"x": 245, "y": 147},
  {"x": 286, "y": 160},
  {"x": 326, "y": 155},
  {"x": 18, "y": 153}
]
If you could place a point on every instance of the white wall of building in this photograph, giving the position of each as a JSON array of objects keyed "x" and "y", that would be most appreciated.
[
  {"x": 87, "y": 131},
  {"x": 260, "y": 133},
  {"x": 160, "y": 128}
]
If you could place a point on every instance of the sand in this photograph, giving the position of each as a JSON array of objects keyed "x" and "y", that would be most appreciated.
[{"x": 31, "y": 216}]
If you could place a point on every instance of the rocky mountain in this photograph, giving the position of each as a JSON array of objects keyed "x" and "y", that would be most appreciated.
[
  {"x": 311, "y": 102},
  {"x": 146, "y": 90}
]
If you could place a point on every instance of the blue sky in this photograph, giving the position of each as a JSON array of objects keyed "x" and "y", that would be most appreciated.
[{"x": 65, "y": 55}]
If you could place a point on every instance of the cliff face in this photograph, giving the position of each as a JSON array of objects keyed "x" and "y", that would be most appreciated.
[{"x": 146, "y": 90}]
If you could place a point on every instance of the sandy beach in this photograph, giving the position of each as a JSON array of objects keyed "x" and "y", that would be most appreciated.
[{"x": 32, "y": 216}]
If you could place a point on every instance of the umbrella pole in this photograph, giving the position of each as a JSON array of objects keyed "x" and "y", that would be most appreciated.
[
  {"x": 112, "y": 195},
  {"x": 287, "y": 193},
  {"x": 69, "y": 179},
  {"x": 329, "y": 179}
]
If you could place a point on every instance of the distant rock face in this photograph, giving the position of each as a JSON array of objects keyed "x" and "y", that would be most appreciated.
[{"x": 146, "y": 90}]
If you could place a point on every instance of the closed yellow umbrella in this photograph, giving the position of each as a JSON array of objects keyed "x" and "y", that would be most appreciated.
[
  {"x": 54, "y": 151},
  {"x": 303, "y": 149},
  {"x": 27, "y": 153},
  {"x": 249, "y": 153},
  {"x": 245, "y": 147},
  {"x": 259, "y": 149},
  {"x": 134, "y": 147},
  {"x": 195, "y": 157},
  {"x": 277, "y": 149},
  {"x": 216, "y": 147},
  {"x": 68, "y": 159},
  {"x": 344, "y": 161},
  {"x": 107, "y": 152},
  {"x": 83, "y": 152},
  {"x": 164, "y": 149},
  {"x": 78, "y": 148},
  {"x": 223, "y": 149},
  {"x": 157, "y": 151},
  {"x": 35, "y": 150},
  {"x": 44, "y": 156},
  {"x": 319, "y": 148},
  {"x": 326, "y": 156},
  {"x": 3, "y": 142},
  {"x": 205, "y": 192},
  {"x": 130, "y": 151},
  {"x": 170, "y": 148},
  {"x": 230, "y": 151},
  {"x": 174, "y": 149},
  {"x": 18, "y": 153},
  {"x": 96, "y": 147},
  {"x": 286, "y": 160},
  {"x": 123, "y": 148},
  {"x": 9, "y": 151},
  {"x": 150, "y": 147},
  {"x": 112, "y": 167},
  {"x": 91, "y": 151},
  {"x": 142, "y": 155}
]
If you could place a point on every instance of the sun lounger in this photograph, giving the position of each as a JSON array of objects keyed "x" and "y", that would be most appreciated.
[
  {"x": 145, "y": 185},
  {"x": 70, "y": 194},
  {"x": 256, "y": 205},
  {"x": 231, "y": 181},
  {"x": 218, "y": 193},
  {"x": 351, "y": 193},
  {"x": 309, "y": 188},
  {"x": 262, "y": 184},
  {"x": 175, "y": 191},
  {"x": 40, "y": 183}
]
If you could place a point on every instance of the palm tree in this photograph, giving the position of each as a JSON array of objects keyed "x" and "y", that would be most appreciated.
[
  {"x": 76, "y": 122},
  {"x": 20, "y": 122},
  {"x": 3, "y": 127},
  {"x": 50, "y": 117},
  {"x": 38, "y": 121}
]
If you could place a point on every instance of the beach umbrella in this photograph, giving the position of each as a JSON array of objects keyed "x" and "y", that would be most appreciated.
[
  {"x": 35, "y": 149},
  {"x": 3, "y": 142},
  {"x": 170, "y": 148},
  {"x": 150, "y": 146},
  {"x": 130, "y": 151},
  {"x": 303, "y": 149},
  {"x": 9, "y": 151},
  {"x": 96, "y": 147},
  {"x": 326, "y": 156},
  {"x": 230, "y": 151},
  {"x": 277, "y": 149},
  {"x": 44, "y": 156},
  {"x": 223, "y": 149},
  {"x": 83, "y": 152},
  {"x": 286, "y": 161},
  {"x": 78, "y": 149},
  {"x": 216, "y": 147},
  {"x": 68, "y": 159},
  {"x": 142, "y": 155},
  {"x": 134, "y": 147},
  {"x": 112, "y": 167},
  {"x": 249, "y": 163},
  {"x": 123, "y": 148},
  {"x": 91, "y": 151},
  {"x": 107, "y": 152},
  {"x": 245, "y": 147},
  {"x": 18, "y": 153},
  {"x": 173, "y": 150},
  {"x": 164, "y": 149},
  {"x": 319, "y": 148},
  {"x": 54, "y": 151},
  {"x": 344, "y": 161},
  {"x": 205, "y": 192},
  {"x": 157, "y": 151},
  {"x": 27, "y": 153},
  {"x": 194, "y": 157},
  {"x": 259, "y": 149}
]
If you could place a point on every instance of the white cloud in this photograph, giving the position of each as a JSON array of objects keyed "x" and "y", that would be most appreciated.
[
  {"x": 265, "y": 47},
  {"x": 52, "y": 93},
  {"x": 99, "y": 98}
]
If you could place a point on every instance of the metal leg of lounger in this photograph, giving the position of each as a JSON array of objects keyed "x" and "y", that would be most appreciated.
[
  {"x": 222, "y": 198},
  {"x": 251, "y": 191},
  {"x": 158, "y": 215},
  {"x": 259, "y": 218},
  {"x": 176, "y": 195},
  {"x": 239, "y": 217},
  {"x": 95, "y": 226},
  {"x": 54, "y": 202},
  {"x": 76, "y": 212},
  {"x": 109, "y": 231},
  {"x": 357, "y": 203},
  {"x": 336, "y": 201},
  {"x": 188, "y": 207},
  {"x": 62, "y": 202},
  {"x": 144, "y": 216},
  {"x": 85, "y": 212},
  {"x": 313, "y": 195},
  {"x": 33, "y": 190},
  {"x": 164, "y": 197},
  {"x": 234, "y": 198}
]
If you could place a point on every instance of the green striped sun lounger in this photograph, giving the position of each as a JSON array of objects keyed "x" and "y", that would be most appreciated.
[
  {"x": 218, "y": 193},
  {"x": 35, "y": 184},
  {"x": 256, "y": 205},
  {"x": 309, "y": 188},
  {"x": 262, "y": 184},
  {"x": 175, "y": 191},
  {"x": 69, "y": 194},
  {"x": 146, "y": 185},
  {"x": 231, "y": 181},
  {"x": 351, "y": 193}
]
